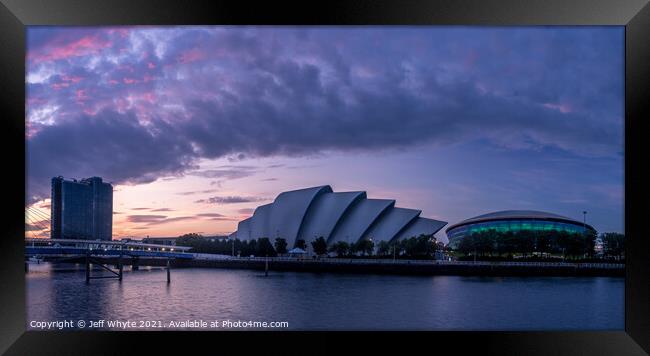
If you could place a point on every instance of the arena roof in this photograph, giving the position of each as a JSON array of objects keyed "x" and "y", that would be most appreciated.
[{"x": 517, "y": 215}]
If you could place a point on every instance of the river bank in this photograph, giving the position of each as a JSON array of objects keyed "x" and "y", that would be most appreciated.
[{"x": 403, "y": 267}]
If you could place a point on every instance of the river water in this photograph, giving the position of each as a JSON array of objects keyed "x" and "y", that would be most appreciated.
[{"x": 223, "y": 298}]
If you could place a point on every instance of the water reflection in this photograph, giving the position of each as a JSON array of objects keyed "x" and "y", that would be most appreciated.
[{"x": 331, "y": 301}]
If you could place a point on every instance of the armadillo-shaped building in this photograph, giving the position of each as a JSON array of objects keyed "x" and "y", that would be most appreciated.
[{"x": 336, "y": 216}]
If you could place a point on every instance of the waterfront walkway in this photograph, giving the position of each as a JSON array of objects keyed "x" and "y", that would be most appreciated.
[{"x": 410, "y": 267}]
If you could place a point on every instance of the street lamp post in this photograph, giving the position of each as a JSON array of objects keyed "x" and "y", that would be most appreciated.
[{"x": 233, "y": 247}]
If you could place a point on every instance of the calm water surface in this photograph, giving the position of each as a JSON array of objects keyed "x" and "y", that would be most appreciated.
[{"x": 310, "y": 301}]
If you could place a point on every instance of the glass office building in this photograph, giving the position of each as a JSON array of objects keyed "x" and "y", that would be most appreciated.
[
  {"x": 81, "y": 209},
  {"x": 514, "y": 220}
]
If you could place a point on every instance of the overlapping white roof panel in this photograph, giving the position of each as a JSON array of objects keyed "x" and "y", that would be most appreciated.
[
  {"x": 357, "y": 221},
  {"x": 325, "y": 212},
  {"x": 390, "y": 224},
  {"x": 345, "y": 216}
]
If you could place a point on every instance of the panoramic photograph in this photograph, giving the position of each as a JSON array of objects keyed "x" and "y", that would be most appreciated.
[{"x": 324, "y": 178}]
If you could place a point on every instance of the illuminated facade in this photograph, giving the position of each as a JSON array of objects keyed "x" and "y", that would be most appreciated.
[{"x": 514, "y": 221}]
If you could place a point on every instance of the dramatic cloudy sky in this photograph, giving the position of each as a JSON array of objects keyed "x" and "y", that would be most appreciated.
[{"x": 196, "y": 126}]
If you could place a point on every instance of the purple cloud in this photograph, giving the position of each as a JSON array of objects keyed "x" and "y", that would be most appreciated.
[
  {"x": 152, "y": 102},
  {"x": 156, "y": 219},
  {"x": 230, "y": 200}
]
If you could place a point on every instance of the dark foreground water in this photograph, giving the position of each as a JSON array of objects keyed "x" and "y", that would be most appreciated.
[{"x": 308, "y": 301}]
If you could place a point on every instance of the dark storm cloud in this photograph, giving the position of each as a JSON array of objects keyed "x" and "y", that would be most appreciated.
[
  {"x": 246, "y": 93},
  {"x": 110, "y": 145}
]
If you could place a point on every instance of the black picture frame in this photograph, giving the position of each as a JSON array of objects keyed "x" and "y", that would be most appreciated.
[{"x": 15, "y": 15}]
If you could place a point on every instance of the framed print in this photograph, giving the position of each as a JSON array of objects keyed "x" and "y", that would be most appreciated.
[{"x": 465, "y": 174}]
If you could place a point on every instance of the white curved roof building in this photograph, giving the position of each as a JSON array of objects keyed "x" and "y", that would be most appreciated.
[{"x": 336, "y": 216}]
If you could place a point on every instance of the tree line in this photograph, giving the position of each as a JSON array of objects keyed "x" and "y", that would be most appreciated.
[
  {"x": 423, "y": 246},
  {"x": 493, "y": 243},
  {"x": 486, "y": 244}
]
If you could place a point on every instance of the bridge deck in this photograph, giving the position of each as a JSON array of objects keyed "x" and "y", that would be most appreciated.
[
  {"x": 103, "y": 248},
  {"x": 67, "y": 251}
]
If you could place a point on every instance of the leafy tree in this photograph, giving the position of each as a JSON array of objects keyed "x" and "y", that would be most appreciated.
[
  {"x": 589, "y": 242},
  {"x": 384, "y": 248},
  {"x": 190, "y": 236},
  {"x": 525, "y": 242},
  {"x": 545, "y": 242},
  {"x": 467, "y": 245},
  {"x": 484, "y": 242},
  {"x": 302, "y": 244},
  {"x": 509, "y": 241},
  {"x": 341, "y": 248},
  {"x": 264, "y": 247},
  {"x": 408, "y": 245},
  {"x": 418, "y": 247},
  {"x": 280, "y": 245},
  {"x": 319, "y": 245},
  {"x": 613, "y": 244},
  {"x": 396, "y": 248},
  {"x": 250, "y": 248},
  {"x": 426, "y": 246},
  {"x": 365, "y": 246}
]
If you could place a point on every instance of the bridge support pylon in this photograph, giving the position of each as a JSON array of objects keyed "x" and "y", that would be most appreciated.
[
  {"x": 168, "y": 272},
  {"x": 119, "y": 266},
  {"x": 87, "y": 266}
]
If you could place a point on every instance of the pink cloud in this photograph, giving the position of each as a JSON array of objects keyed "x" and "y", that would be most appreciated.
[
  {"x": 81, "y": 96},
  {"x": 81, "y": 47},
  {"x": 91, "y": 112},
  {"x": 190, "y": 56},
  {"x": 74, "y": 80},
  {"x": 149, "y": 97},
  {"x": 122, "y": 32},
  {"x": 59, "y": 86}
]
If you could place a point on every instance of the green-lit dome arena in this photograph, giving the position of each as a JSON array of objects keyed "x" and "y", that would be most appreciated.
[{"x": 514, "y": 221}]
